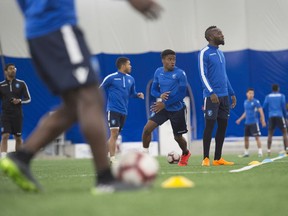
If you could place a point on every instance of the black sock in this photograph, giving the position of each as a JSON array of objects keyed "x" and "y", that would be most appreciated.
[
  {"x": 207, "y": 136},
  {"x": 186, "y": 152},
  {"x": 24, "y": 156},
  {"x": 219, "y": 138},
  {"x": 104, "y": 176}
]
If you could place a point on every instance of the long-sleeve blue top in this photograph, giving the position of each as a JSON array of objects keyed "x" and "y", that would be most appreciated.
[
  {"x": 174, "y": 82},
  {"x": 119, "y": 87},
  {"x": 212, "y": 68},
  {"x": 275, "y": 102},
  {"x": 45, "y": 16}
]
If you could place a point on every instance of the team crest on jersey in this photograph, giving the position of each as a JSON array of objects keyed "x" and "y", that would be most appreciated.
[
  {"x": 17, "y": 85},
  {"x": 129, "y": 81},
  {"x": 174, "y": 76},
  {"x": 209, "y": 112}
]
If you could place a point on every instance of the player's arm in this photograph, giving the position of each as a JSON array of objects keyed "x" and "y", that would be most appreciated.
[
  {"x": 181, "y": 93},
  {"x": 155, "y": 88},
  {"x": 149, "y": 8},
  {"x": 134, "y": 93},
  {"x": 232, "y": 94},
  {"x": 262, "y": 117},
  {"x": 243, "y": 116},
  {"x": 203, "y": 68},
  {"x": 283, "y": 103},
  {"x": 106, "y": 82},
  {"x": 26, "y": 95}
]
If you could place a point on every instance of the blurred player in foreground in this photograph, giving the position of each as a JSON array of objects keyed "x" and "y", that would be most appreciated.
[
  {"x": 252, "y": 107},
  {"x": 62, "y": 59}
]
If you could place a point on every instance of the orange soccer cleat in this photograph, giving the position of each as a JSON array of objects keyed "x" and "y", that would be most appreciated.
[
  {"x": 221, "y": 161},
  {"x": 206, "y": 162}
]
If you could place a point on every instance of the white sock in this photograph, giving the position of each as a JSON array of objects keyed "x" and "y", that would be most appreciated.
[
  {"x": 268, "y": 150},
  {"x": 145, "y": 150},
  {"x": 3, "y": 154},
  {"x": 260, "y": 151},
  {"x": 112, "y": 158},
  {"x": 246, "y": 152}
]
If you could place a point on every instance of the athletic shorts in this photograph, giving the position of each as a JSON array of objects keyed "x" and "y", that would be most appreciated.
[
  {"x": 277, "y": 122},
  {"x": 252, "y": 130},
  {"x": 11, "y": 124},
  {"x": 217, "y": 110},
  {"x": 116, "y": 120},
  {"x": 63, "y": 60},
  {"x": 177, "y": 119}
]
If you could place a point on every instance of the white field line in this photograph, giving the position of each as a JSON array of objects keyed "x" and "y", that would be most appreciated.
[
  {"x": 191, "y": 172},
  {"x": 255, "y": 165}
]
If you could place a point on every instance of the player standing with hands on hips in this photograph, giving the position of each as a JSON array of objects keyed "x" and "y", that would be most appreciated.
[
  {"x": 170, "y": 85},
  {"x": 62, "y": 59},
  {"x": 216, "y": 92},
  {"x": 120, "y": 86},
  {"x": 13, "y": 93}
]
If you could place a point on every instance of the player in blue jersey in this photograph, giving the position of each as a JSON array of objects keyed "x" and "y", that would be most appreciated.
[
  {"x": 170, "y": 85},
  {"x": 275, "y": 103},
  {"x": 252, "y": 107},
  {"x": 120, "y": 86},
  {"x": 216, "y": 92},
  {"x": 62, "y": 59}
]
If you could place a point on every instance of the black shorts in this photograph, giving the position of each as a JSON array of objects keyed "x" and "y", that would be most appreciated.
[
  {"x": 11, "y": 124},
  {"x": 62, "y": 59},
  {"x": 277, "y": 122},
  {"x": 116, "y": 120},
  {"x": 252, "y": 130},
  {"x": 214, "y": 110},
  {"x": 177, "y": 119}
]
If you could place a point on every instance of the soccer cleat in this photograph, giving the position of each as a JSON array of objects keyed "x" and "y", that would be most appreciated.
[
  {"x": 19, "y": 172},
  {"x": 243, "y": 156},
  {"x": 115, "y": 186},
  {"x": 221, "y": 161},
  {"x": 184, "y": 159},
  {"x": 260, "y": 155},
  {"x": 206, "y": 162}
]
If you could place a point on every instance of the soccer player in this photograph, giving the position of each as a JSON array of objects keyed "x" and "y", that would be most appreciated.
[
  {"x": 216, "y": 92},
  {"x": 119, "y": 86},
  {"x": 13, "y": 93},
  {"x": 170, "y": 85},
  {"x": 252, "y": 107},
  {"x": 62, "y": 59},
  {"x": 275, "y": 102}
]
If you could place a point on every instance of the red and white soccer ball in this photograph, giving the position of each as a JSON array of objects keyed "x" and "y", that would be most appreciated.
[
  {"x": 136, "y": 168},
  {"x": 173, "y": 157}
]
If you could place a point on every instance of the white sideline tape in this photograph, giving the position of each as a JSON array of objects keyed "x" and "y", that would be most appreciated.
[{"x": 255, "y": 165}]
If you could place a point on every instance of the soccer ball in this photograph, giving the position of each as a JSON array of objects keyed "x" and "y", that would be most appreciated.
[
  {"x": 173, "y": 157},
  {"x": 136, "y": 168}
]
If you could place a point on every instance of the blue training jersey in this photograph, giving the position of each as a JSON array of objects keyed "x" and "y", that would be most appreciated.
[
  {"x": 119, "y": 87},
  {"x": 275, "y": 102},
  {"x": 45, "y": 16},
  {"x": 251, "y": 109},
  {"x": 212, "y": 68},
  {"x": 174, "y": 81}
]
